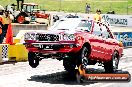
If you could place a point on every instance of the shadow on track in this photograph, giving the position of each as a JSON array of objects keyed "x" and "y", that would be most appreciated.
[
  {"x": 65, "y": 78},
  {"x": 62, "y": 77}
]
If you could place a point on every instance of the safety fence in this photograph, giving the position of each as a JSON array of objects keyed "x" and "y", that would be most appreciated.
[{"x": 106, "y": 6}]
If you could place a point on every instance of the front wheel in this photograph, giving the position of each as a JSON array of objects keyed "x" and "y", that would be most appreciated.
[
  {"x": 112, "y": 65},
  {"x": 33, "y": 59},
  {"x": 83, "y": 57}
]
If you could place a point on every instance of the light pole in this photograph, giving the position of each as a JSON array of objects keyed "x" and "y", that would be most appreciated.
[
  {"x": 60, "y": 6},
  {"x": 127, "y": 6}
]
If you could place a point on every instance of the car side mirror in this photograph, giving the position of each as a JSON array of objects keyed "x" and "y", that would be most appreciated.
[{"x": 86, "y": 30}]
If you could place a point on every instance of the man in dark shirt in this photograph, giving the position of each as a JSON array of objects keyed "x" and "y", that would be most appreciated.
[
  {"x": 88, "y": 8},
  {"x": 22, "y": 1}
]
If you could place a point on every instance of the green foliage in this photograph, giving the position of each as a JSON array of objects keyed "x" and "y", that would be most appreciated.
[{"x": 79, "y": 5}]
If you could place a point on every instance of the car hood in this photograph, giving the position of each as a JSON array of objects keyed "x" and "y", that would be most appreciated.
[{"x": 55, "y": 32}]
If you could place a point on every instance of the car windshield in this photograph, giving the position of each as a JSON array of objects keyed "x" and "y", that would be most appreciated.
[
  {"x": 85, "y": 25},
  {"x": 29, "y": 8},
  {"x": 72, "y": 24},
  {"x": 66, "y": 24}
]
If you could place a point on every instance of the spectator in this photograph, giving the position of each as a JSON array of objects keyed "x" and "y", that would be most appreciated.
[
  {"x": 1, "y": 22},
  {"x": 55, "y": 18},
  {"x": 97, "y": 16},
  {"x": 7, "y": 20},
  {"x": 87, "y": 8},
  {"x": 0, "y": 29}
]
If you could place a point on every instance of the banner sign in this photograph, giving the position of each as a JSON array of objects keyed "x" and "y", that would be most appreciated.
[
  {"x": 118, "y": 20},
  {"x": 125, "y": 37}
]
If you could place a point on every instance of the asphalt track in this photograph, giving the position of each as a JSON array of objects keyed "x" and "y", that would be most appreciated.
[{"x": 50, "y": 73}]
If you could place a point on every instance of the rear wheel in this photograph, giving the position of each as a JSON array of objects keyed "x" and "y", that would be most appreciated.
[
  {"x": 33, "y": 59},
  {"x": 69, "y": 65},
  {"x": 112, "y": 65},
  {"x": 21, "y": 19}
]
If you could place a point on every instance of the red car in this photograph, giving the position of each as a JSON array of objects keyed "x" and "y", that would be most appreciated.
[{"x": 75, "y": 41}]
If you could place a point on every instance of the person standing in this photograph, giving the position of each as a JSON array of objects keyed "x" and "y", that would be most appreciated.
[
  {"x": 1, "y": 22},
  {"x": 7, "y": 20},
  {"x": 22, "y": 1},
  {"x": 87, "y": 8},
  {"x": 97, "y": 16}
]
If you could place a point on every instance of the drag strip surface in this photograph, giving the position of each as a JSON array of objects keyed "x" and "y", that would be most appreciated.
[{"x": 51, "y": 73}]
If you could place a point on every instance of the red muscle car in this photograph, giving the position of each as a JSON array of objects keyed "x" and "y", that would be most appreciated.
[{"x": 75, "y": 41}]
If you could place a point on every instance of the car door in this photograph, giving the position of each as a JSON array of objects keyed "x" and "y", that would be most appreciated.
[
  {"x": 97, "y": 42},
  {"x": 109, "y": 42},
  {"x": 106, "y": 44}
]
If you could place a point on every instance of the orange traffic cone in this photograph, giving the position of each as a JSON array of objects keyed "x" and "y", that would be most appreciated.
[{"x": 9, "y": 35}]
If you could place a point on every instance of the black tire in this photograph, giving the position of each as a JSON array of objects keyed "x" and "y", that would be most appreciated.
[
  {"x": 112, "y": 66},
  {"x": 24, "y": 21},
  {"x": 69, "y": 65},
  {"x": 33, "y": 60},
  {"x": 83, "y": 57}
]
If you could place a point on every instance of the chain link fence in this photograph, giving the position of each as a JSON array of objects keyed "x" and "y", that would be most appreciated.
[{"x": 118, "y": 6}]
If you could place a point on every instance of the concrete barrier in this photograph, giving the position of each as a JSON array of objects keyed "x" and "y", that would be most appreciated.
[
  {"x": 17, "y": 52},
  {"x": 17, "y": 27}
]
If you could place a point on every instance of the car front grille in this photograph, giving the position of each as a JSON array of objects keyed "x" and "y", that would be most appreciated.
[
  {"x": 50, "y": 47},
  {"x": 47, "y": 37}
]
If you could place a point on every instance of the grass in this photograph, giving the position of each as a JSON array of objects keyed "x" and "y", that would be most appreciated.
[{"x": 79, "y": 5}]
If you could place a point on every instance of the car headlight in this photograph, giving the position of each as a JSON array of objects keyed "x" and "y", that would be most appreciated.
[
  {"x": 30, "y": 36},
  {"x": 68, "y": 37}
]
